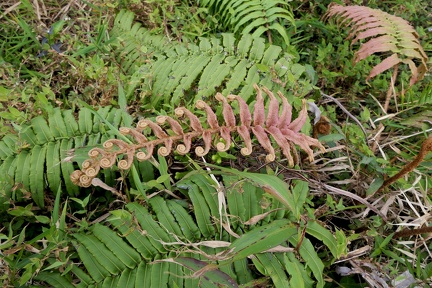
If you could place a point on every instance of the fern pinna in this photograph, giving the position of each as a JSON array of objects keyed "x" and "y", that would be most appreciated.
[{"x": 280, "y": 127}]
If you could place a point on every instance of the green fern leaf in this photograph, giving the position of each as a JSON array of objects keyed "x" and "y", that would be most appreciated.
[
  {"x": 121, "y": 250},
  {"x": 122, "y": 221},
  {"x": 257, "y": 50},
  {"x": 101, "y": 253},
  {"x": 236, "y": 204},
  {"x": 86, "y": 280},
  {"x": 202, "y": 211},
  {"x": 56, "y": 124},
  {"x": 67, "y": 167},
  {"x": 110, "y": 282},
  {"x": 53, "y": 166},
  {"x": 244, "y": 45},
  {"x": 70, "y": 122},
  {"x": 164, "y": 215},
  {"x": 155, "y": 231},
  {"x": 262, "y": 238},
  {"x": 207, "y": 67},
  {"x": 8, "y": 146},
  {"x": 143, "y": 276},
  {"x": 96, "y": 270},
  {"x": 313, "y": 262},
  {"x": 42, "y": 131},
  {"x": 85, "y": 121},
  {"x": 159, "y": 277},
  {"x": 188, "y": 227},
  {"x": 23, "y": 169},
  {"x": 37, "y": 166},
  {"x": 127, "y": 278}
]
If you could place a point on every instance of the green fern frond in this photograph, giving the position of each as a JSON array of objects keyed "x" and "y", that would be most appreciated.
[
  {"x": 389, "y": 33},
  {"x": 176, "y": 70},
  {"x": 34, "y": 158},
  {"x": 167, "y": 243},
  {"x": 264, "y": 127},
  {"x": 253, "y": 17}
]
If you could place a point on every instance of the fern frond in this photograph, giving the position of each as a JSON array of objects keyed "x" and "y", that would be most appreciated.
[
  {"x": 253, "y": 17},
  {"x": 176, "y": 70},
  {"x": 389, "y": 34},
  {"x": 34, "y": 158},
  {"x": 168, "y": 244},
  {"x": 279, "y": 127}
]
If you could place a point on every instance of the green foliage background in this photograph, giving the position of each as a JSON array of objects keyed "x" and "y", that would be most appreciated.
[{"x": 177, "y": 221}]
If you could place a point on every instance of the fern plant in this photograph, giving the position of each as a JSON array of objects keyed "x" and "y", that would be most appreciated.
[
  {"x": 280, "y": 127},
  {"x": 176, "y": 72},
  {"x": 390, "y": 35},
  {"x": 253, "y": 17},
  {"x": 33, "y": 159},
  {"x": 228, "y": 231}
]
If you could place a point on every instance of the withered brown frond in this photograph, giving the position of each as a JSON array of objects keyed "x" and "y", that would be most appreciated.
[
  {"x": 170, "y": 136},
  {"x": 388, "y": 33}
]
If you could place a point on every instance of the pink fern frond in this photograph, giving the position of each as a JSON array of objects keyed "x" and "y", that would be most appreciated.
[
  {"x": 272, "y": 131},
  {"x": 388, "y": 33}
]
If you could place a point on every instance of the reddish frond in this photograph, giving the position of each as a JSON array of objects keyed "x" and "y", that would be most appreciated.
[
  {"x": 225, "y": 133},
  {"x": 227, "y": 111},
  {"x": 184, "y": 148},
  {"x": 166, "y": 150},
  {"x": 193, "y": 119},
  {"x": 259, "y": 112},
  {"x": 279, "y": 129},
  {"x": 245, "y": 115},
  {"x": 126, "y": 163},
  {"x": 207, "y": 138},
  {"x": 386, "y": 64},
  {"x": 264, "y": 141},
  {"x": 282, "y": 141},
  {"x": 244, "y": 133},
  {"x": 157, "y": 130},
  {"x": 211, "y": 116},
  {"x": 389, "y": 33},
  {"x": 300, "y": 121},
  {"x": 175, "y": 126},
  {"x": 139, "y": 137},
  {"x": 372, "y": 33},
  {"x": 303, "y": 141},
  {"x": 273, "y": 109},
  {"x": 285, "y": 117},
  {"x": 380, "y": 44}
]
